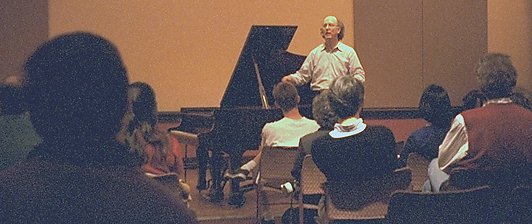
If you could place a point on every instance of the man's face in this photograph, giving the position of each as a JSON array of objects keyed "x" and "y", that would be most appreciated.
[{"x": 330, "y": 28}]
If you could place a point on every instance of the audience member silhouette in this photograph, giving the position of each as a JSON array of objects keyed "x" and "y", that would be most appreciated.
[
  {"x": 325, "y": 117},
  {"x": 473, "y": 99},
  {"x": 435, "y": 108},
  {"x": 522, "y": 97},
  {"x": 489, "y": 145},
  {"x": 353, "y": 151},
  {"x": 161, "y": 153},
  {"x": 285, "y": 132},
  {"x": 17, "y": 135},
  {"x": 76, "y": 86}
]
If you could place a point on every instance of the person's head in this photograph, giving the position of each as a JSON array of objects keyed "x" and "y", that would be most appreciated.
[
  {"x": 143, "y": 105},
  {"x": 346, "y": 95},
  {"x": 76, "y": 86},
  {"x": 435, "y": 105},
  {"x": 323, "y": 112},
  {"x": 522, "y": 97},
  {"x": 11, "y": 100},
  {"x": 332, "y": 27},
  {"x": 473, "y": 99},
  {"x": 496, "y": 75},
  {"x": 285, "y": 96}
]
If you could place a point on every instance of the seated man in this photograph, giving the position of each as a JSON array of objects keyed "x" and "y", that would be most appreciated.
[
  {"x": 77, "y": 93},
  {"x": 353, "y": 151},
  {"x": 283, "y": 133},
  {"x": 489, "y": 145}
]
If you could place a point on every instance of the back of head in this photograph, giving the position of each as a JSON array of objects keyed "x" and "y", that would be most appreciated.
[
  {"x": 323, "y": 112},
  {"x": 143, "y": 104},
  {"x": 435, "y": 105},
  {"x": 346, "y": 96},
  {"x": 76, "y": 86},
  {"x": 286, "y": 96},
  {"x": 11, "y": 100},
  {"x": 473, "y": 99},
  {"x": 496, "y": 75}
]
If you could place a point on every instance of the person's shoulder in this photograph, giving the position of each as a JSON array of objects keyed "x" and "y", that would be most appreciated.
[
  {"x": 317, "y": 49},
  {"x": 344, "y": 47},
  {"x": 378, "y": 130}
]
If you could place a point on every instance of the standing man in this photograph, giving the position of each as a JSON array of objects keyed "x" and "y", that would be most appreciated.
[{"x": 329, "y": 60}]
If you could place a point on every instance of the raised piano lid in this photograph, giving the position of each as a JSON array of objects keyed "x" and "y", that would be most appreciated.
[{"x": 268, "y": 45}]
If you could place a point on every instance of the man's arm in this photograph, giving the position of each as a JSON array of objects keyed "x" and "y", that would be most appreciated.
[
  {"x": 355, "y": 67},
  {"x": 303, "y": 75},
  {"x": 455, "y": 145}
]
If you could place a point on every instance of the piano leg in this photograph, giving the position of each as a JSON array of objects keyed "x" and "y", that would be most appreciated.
[
  {"x": 202, "y": 155},
  {"x": 216, "y": 192}
]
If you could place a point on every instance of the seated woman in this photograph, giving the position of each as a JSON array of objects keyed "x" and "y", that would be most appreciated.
[
  {"x": 353, "y": 151},
  {"x": 159, "y": 152},
  {"x": 435, "y": 108}
]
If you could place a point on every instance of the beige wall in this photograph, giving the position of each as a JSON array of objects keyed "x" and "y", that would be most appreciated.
[
  {"x": 510, "y": 32},
  {"x": 187, "y": 49},
  {"x": 23, "y": 26},
  {"x": 410, "y": 44}
]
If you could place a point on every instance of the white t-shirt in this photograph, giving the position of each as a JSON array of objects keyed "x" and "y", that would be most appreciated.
[{"x": 287, "y": 132}]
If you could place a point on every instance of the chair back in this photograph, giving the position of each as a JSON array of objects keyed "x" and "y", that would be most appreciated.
[
  {"x": 460, "y": 206},
  {"x": 520, "y": 207},
  {"x": 311, "y": 177},
  {"x": 276, "y": 164},
  {"x": 367, "y": 200},
  {"x": 310, "y": 183},
  {"x": 419, "y": 166}
]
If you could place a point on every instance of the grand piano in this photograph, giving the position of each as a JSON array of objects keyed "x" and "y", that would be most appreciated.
[{"x": 246, "y": 106}]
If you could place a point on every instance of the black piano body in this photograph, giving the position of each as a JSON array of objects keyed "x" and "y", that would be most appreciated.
[{"x": 236, "y": 126}]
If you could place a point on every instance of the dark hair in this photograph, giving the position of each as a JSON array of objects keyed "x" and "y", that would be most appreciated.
[
  {"x": 323, "y": 112},
  {"x": 143, "y": 104},
  {"x": 496, "y": 75},
  {"x": 76, "y": 86},
  {"x": 435, "y": 106},
  {"x": 286, "y": 96},
  {"x": 346, "y": 95},
  {"x": 342, "y": 29},
  {"x": 472, "y": 99},
  {"x": 522, "y": 97},
  {"x": 11, "y": 100},
  {"x": 142, "y": 129}
]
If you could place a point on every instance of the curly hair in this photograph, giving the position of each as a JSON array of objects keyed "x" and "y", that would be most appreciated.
[
  {"x": 142, "y": 130},
  {"x": 496, "y": 75},
  {"x": 323, "y": 112},
  {"x": 346, "y": 95}
]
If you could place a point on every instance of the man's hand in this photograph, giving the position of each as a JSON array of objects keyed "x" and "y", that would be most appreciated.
[{"x": 288, "y": 79}]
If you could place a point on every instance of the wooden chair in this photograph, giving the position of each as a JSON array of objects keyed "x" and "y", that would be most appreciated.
[
  {"x": 419, "y": 166},
  {"x": 366, "y": 201},
  {"x": 460, "y": 206},
  {"x": 310, "y": 184},
  {"x": 274, "y": 170}
]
